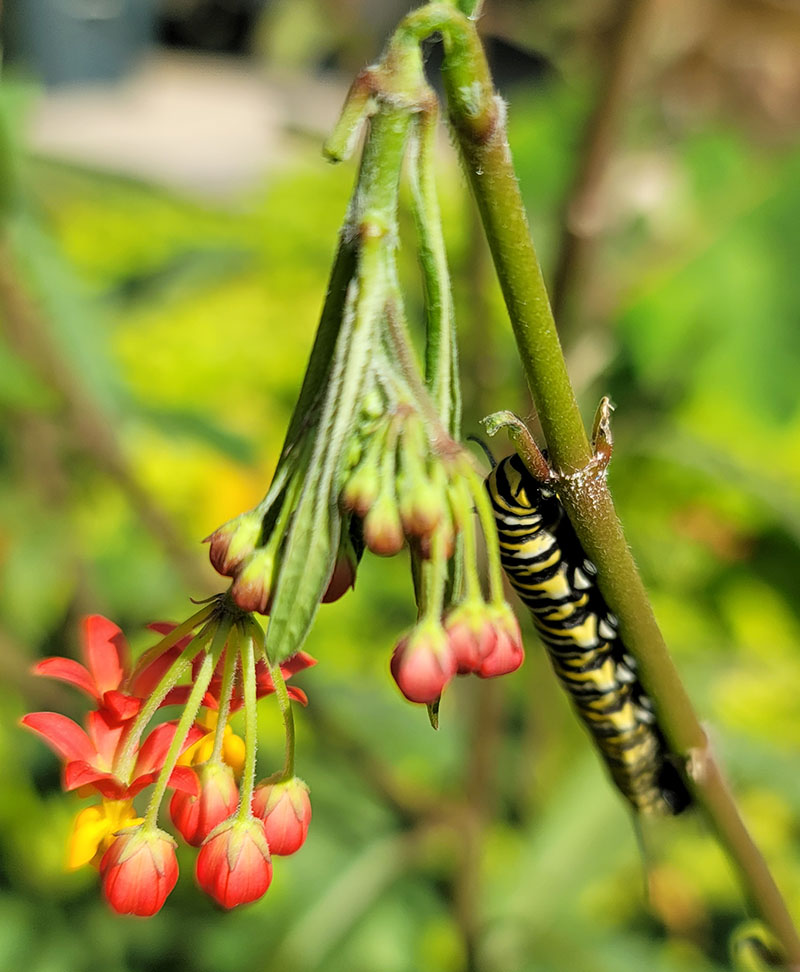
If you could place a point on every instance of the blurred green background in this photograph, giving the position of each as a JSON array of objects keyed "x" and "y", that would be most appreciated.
[{"x": 154, "y": 335}]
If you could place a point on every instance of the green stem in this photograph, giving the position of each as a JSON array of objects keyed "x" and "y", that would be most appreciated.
[
  {"x": 287, "y": 714},
  {"x": 172, "y": 638},
  {"x": 247, "y": 655},
  {"x": 440, "y": 347},
  {"x": 186, "y": 720},
  {"x": 126, "y": 759},
  {"x": 462, "y": 503},
  {"x": 225, "y": 693},
  {"x": 477, "y": 117},
  {"x": 481, "y": 500}
]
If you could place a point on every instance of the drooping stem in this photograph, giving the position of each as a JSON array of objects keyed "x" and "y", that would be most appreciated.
[
  {"x": 188, "y": 716},
  {"x": 287, "y": 714},
  {"x": 247, "y": 655},
  {"x": 225, "y": 694},
  {"x": 124, "y": 762}
]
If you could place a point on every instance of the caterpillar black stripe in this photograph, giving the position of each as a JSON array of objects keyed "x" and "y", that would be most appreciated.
[{"x": 550, "y": 571}]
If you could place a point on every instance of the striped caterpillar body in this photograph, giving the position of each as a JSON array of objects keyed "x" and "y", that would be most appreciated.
[{"x": 550, "y": 571}]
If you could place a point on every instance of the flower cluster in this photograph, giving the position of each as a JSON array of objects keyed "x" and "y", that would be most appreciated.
[{"x": 215, "y": 802}]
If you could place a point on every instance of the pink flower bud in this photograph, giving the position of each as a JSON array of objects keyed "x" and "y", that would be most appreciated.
[
  {"x": 252, "y": 588},
  {"x": 234, "y": 864},
  {"x": 139, "y": 870},
  {"x": 196, "y": 816},
  {"x": 423, "y": 663},
  {"x": 285, "y": 808},
  {"x": 472, "y": 635},
  {"x": 507, "y": 654},
  {"x": 234, "y": 541},
  {"x": 383, "y": 531}
]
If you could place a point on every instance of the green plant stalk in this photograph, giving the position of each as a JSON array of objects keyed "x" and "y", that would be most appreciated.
[
  {"x": 287, "y": 714},
  {"x": 188, "y": 716},
  {"x": 247, "y": 654},
  {"x": 225, "y": 694},
  {"x": 126, "y": 759},
  {"x": 441, "y": 367},
  {"x": 477, "y": 116}
]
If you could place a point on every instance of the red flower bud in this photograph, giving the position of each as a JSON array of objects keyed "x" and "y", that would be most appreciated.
[
  {"x": 472, "y": 635},
  {"x": 196, "y": 816},
  {"x": 423, "y": 663},
  {"x": 507, "y": 654},
  {"x": 234, "y": 541},
  {"x": 139, "y": 870},
  {"x": 344, "y": 570},
  {"x": 234, "y": 864},
  {"x": 252, "y": 588},
  {"x": 285, "y": 808}
]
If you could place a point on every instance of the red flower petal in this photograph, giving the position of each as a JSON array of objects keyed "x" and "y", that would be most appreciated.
[
  {"x": 297, "y": 694},
  {"x": 106, "y": 652},
  {"x": 105, "y": 736},
  {"x": 184, "y": 778},
  {"x": 148, "y": 677},
  {"x": 68, "y": 670},
  {"x": 297, "y": 663},
  {"x": 120, "y": 707},
  {"x": 80, "y": 773},
  {"x": 62, "y": 735},
  {"x": 154, "y": 749}
]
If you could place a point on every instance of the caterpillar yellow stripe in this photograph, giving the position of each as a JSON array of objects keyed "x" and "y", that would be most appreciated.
[{"x": 552, "y": 575}]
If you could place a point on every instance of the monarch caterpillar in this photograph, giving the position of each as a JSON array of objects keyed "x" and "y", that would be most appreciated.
[{"x": 550, "y": 571}]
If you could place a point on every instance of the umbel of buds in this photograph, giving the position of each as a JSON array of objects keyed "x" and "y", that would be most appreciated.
[{"x": 212, "y": 665}]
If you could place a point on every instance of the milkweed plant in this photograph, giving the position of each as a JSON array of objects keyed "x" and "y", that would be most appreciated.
[{"x": 373, "y": 460}]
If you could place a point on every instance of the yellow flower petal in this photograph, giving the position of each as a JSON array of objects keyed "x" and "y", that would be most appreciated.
[
  {"x": 94, "y": 829},
  {"x": 233, "y": 752}
]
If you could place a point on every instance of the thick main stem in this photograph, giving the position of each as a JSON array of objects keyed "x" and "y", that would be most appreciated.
[
  {"x": 477, "y": 117},
  {"x": 590, "y": 507}
]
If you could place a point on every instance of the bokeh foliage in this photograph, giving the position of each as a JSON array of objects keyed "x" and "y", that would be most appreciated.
[{"x": 187, "y": 328}]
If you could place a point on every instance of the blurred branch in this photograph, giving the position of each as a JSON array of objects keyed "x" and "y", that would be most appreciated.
[
  {"x": 92, "y": 431},
  {"x": 583, "y": 210}
]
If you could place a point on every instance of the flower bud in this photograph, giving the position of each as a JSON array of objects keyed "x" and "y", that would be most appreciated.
[
  {"x": 234, "y": 541},
  {"x": 423, "y": 663},
  {"x": 285, "y": 808},
  {"x": 234, "y": 864},
  {"x": 422, "y": 507},
  {"x": 343, "y": 576},
  {"x": 471, "y": 633},
  {"x": 383, "y": 531},
  {"x": 139, "y": 870},
  {"x": 196, "y": 816},
  {"x": 507, "y": 654},
  {"x": 252, "y": 588},
  {"x": 361, "y": 490}
]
